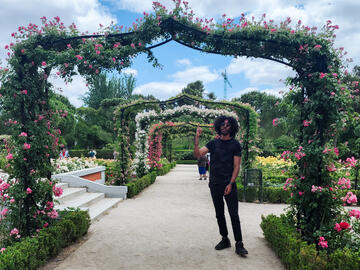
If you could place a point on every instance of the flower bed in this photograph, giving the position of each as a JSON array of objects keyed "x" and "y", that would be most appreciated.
[
  {"x": 72, "y": 164},
  {"x": 297, "y": 254}
]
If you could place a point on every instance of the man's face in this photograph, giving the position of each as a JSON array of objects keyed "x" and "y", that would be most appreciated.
[{"x": 225, "y": 128}]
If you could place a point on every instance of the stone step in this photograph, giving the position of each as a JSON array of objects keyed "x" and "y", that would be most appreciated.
[
  {"x": 62, "y": 185},
  {"x": 99, "y": 208},
  {"x": 82, "y": 200},
  {"x": 70, "y": 193}
]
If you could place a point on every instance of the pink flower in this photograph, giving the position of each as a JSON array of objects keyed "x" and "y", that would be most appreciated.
[
  {"x": 69, "y": 46},
  {"x": 322, "y": 243},
  {"x": 140, "y": 44},
  {"x": 12, "y": 200},
  {"x": 275, "y": 122},
  {"x": 24, "y": 92},
  {"x": 43, "y": 63},
  {"x": 9, "y": 156},
  {"x": 317, "y": 46},
  {"x": 79, "y": 57},
  {"x": 301, "y": 193},
  {"x": 132, "y": 45},
  {"x": 331, "y": 168},
  {"x": 322, "y": 75},
  {"x": 337, "y": 227},
  {"x": 53, "y": 214},
  {"x": 4, "y": 211},
  {"x": 28, "y": 191},
  {"x": 306, "y": 123},
  {"x": 46, "y": 225},
  {"x": 2, "y": 250},
  {"x": 57, "y": 191},
  {"x": 14, "y": 232},
  {"x": 273, "y": 30},
  {"x": 332, "y": 93},
  {"x": 26, "y": 146},
  {"x": 354, "y": 213}
]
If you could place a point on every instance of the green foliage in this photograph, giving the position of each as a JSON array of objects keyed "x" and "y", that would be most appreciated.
[
  {"x": 194, "y": 89},
  {"x": 102, "y": 88},
  {"x": 33, "y": 252},
  {"x": 297, "y": 254}
]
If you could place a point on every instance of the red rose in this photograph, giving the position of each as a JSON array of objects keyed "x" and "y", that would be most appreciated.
[{"x": 344, "y": 225}]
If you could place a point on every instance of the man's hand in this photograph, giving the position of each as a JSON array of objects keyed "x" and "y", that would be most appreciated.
[
  {"x": 198, "y": 131},
  {"x": 228, "y": 189}
]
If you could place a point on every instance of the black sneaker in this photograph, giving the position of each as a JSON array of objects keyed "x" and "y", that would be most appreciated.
[
  {"x": 224, "y": 243},
  {"x": 240, "y": 250}
]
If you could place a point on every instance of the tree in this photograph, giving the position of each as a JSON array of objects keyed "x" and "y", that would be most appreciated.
[
  {"x": 103, "y": 88},
  {"x": 195, "y": 89},
  {"x": 211, "y": 96}
]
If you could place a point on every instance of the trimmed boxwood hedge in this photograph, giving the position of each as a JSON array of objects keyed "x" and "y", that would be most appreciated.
[
  {"x": 296, "y": 254},
  {"x": 270, "y": 194},
  {"x": 186, "y": 162},
  {"x": 33, "y": 252},
  {"x": 100, "y": 153},
  {"x": 136, "y": 186},
  {"x": 278, "y": 194}
]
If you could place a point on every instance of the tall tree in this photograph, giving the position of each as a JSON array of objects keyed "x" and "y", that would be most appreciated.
[
  {"x": 195, "y": 89},
  {"x": 102, "y": 88}
]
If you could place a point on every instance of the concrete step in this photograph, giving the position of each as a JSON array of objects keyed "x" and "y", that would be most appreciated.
[
  {"x": 83, "y": 200},
  {"x": 62, "y": 185},
  {"x": 70, "y": 193},
  {"x": 99, "y": 208}
]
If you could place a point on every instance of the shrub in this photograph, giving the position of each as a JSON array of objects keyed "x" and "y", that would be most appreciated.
[
  {"x": 33, "y": 252},
  {"x": 297, "y": 254}
]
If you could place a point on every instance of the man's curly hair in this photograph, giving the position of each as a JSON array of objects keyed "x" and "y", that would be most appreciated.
[{"x": 234, "y": 127}]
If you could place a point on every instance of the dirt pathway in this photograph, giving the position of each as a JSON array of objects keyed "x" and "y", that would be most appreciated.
[{"x": 171, "y": 226}]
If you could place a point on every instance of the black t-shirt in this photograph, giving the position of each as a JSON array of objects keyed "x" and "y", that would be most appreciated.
[{"x": 222, "y": 159}]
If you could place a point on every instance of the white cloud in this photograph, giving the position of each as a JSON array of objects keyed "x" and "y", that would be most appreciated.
[
  {"x": 160, "y": 90},
  {"x": 260, "y": 71},
  {"x": 183, "y": 62},
  {"x": 86, "y": 14},
  {"x": 129, "y": 71},
  {"x": 73, "y": 90},
  {"x": 192, "y": 74}
]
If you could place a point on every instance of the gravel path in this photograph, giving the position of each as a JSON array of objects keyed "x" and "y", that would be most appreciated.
[{"x": 171, "y": 225}]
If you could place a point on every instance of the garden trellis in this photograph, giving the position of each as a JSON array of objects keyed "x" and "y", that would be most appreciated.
[
  {"x": 125, "y": 113},
  {"x": 57, "y": 50}
]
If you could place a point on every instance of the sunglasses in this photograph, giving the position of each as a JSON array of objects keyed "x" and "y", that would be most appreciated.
[{"x": 225, "y": 125}]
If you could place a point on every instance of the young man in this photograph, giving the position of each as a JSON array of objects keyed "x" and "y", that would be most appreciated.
[{"x": 224, "y": 168}]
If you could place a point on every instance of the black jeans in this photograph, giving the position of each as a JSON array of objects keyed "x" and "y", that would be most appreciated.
[{"x": 217, "y": 194}]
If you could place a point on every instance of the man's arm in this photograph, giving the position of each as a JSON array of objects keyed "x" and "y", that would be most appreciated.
[
  {"x": 203, "y": 150},
  {"x": 237, "y": 162}
]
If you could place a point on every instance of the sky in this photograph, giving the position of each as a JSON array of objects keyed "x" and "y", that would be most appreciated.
[{"x": 182, "y": 65}]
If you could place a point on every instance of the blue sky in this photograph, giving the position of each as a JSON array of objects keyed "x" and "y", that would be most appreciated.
[{"x": 182, "y": 65}]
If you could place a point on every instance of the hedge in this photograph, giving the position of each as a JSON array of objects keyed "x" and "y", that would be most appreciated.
[
  {"x": 186, "y": 162},
  {"x": 278, "y": 194},
  {"x": 33, "y": 252},
  {"x": 297, "y": 254},
  {"x": 136, "y": 186},
  {"x": 270, "y": 194},
  {"x": 100, "y": 153}
]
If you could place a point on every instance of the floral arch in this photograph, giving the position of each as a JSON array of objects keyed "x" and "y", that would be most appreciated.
[
  {"x": 168, "y": 129},
  {"x": 243, "y": 113},
  {"x": 53, "y": 49}
]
